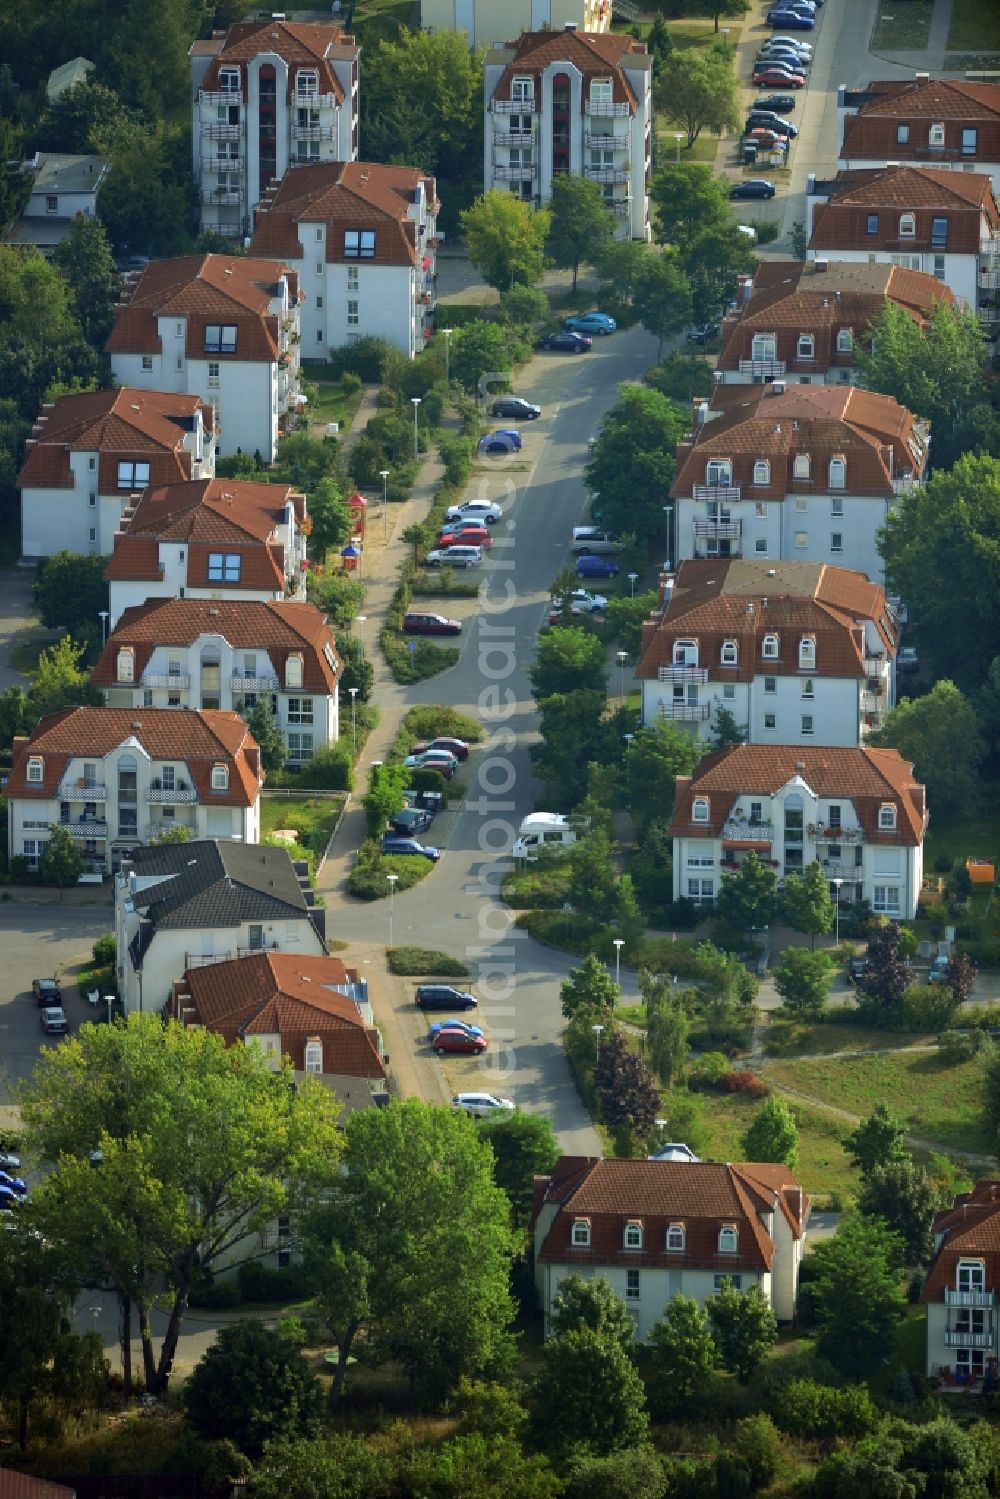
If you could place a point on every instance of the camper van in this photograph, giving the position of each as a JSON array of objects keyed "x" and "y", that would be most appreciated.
[{"x": 542, "y": 830}]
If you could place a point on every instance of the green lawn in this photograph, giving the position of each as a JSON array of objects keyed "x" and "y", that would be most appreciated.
[
  {"x": 334, "y": 404},
  {"x": 973, "y": 833},
  {"x": 904, "y": 27},
  {"x": 823, "y": 1165},
  {"x": 975, "y": 26},
  {"x": 311, "y": 817},
  {"x": 795, "y": 1038}
]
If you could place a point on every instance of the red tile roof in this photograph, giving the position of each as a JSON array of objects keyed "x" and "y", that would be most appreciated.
[
  {"x": 870, "y": 133},
  {"x": 594, "y": 55},
  {"x": 870, "y": 778},
  {"x": 14, "y": 1485},
  {"x": 277, "y": 626},
  {"x": 302, "y": 44},
  {"x": 971, "y": 1231},
  {"x": 964, "y": 198},
  {"x": 200, "y": 738},
  {"x": 203, "y": 289},
  {"x": 120, "y": 426},
  {"x": 722, "y": 600},
  {"x": 343, "y": 195}
]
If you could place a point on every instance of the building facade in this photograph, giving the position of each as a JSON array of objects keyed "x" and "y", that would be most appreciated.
[
  {"x": 364, "y": 239},
  {"x": 576, "y": 102},
  {"x": 267, "y": 95},
  {"x": 90, "y": 456},
  {"x": 952, "y": 124},
  {"x": 63, "y": 189},
  {"x": 795, "y": 473},
  {"x": 225, "y": 328},
  {"x": 960, "y": 1289},
  {"x": 798, "y": 653},
  {"x": 118, "y": 778},
  {"x": 858, "y": 812},
  {"x": 204, "y": 653},
  {"x": 487, "y": 22},
  {"x": 656, "y": 1229}
]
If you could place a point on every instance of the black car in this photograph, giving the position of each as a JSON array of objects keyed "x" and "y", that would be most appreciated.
[
  {"x": 704, "y": 333},
  {"x": 780, "y": 102},
  {"x": 516, "y": 406},
  {"x": 431, "y": 624},
  {"x": 565, "y": 343},
  {"x": 857, "y": 967},
  {"x": 410, "y": 820},
  {"x": 46, "y": 992},
  {"x": 396, "y": 843},
  {"x": 754, "y": 187},
  {"x": 430, "y": 802},
  {"x": 444, "y": 997},
  {"x": 768, "y": 119}
]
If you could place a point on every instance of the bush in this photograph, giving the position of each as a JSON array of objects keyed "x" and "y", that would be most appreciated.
[
  {"x": 708, "y": 1071},
  {"x": 524, "y": 305},
  {"x": 219, "y": 1295},
  {"x": 417, "y": 665},
  {"x": 367, "y": 881},
  {"x": 680, "y": 377},
  {"x": 570, "y": 930},
  {"x": 363, "y": 359},
  {"x": 105, "y": 951},
  {"x": 805, "y": 1408},
  {"x": 419, "y": 962},
  {"x": 330, "y": 769},
  {"x": 961, "y": 1046},
  {"x": 259, "y": 1282},
  {"x": 767, "y": 230},
  {"x": 456, "y": 455},
  {"x": 744, "y": 1082}
]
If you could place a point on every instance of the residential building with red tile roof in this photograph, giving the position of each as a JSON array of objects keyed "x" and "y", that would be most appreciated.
[
  {"x": 799, "y": 323},
  {"x": 794, "y": 473},
  {"x": 229, "y": 654},
  {"x": 14, "y": 1485},
  {"x": 797, "y": 652},
  {"x": 91, "y": 454},
  {"x": 961, "y": 1285},
  {"x": 222, "y": 327},
  {"x": 311, "y": 1009},
  {"x": 656, "y": 1229},
  {"x": 121, "y": 777},
  {"x": 571, "y": 101},
  {"x": 486, "y": 21},
  {"x": 364, "y": 239},
  {"x": 268, "y": 94},
  {"x": 858, "y": 812},
  {"x": 922, "y": 218},
  {"x": 209, "y": 539},
  {"x": 952, "y": 124}
]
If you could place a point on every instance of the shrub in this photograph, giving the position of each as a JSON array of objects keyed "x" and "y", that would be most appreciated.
[
  {"x": 570, "y": 930},
  {"x": 259, "y": 1282},
  {"x": 805, "y": 1408},
  {"x": 367, "y": 881},
  {"x": 708, "y": 1071},
  {"x": 680, "y": 377},
  {"x": 363, "y": 359},
  {"x": 744, "y": 1082},
  {"x": 767, "y": 230},
  {"x": 417, "y": 664},
  {"x": 105, "y": 951},
  {"x": 330, "y": 769},
  {"x": 456, "y": 455},
  {"x": 219, "y": 1295},
  {"x": 418, "y": 962}
]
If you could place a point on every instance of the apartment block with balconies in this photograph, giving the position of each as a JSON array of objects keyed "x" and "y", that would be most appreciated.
[
  {"x": 268, "y": 95},
  {"x": 952, "y": 124},
  {"x": 572, "y": 102},
  {"x": 798, "y": 652},
  {"x": 960, "y": 1290},
  {"x": 859, "y": 813},
  {"x": 794, "y": 474}
]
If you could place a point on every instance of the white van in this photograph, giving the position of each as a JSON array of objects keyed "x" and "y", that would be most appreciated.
[
  {"x": 542, "y": 830},
  {"x": 592, "y": 539}
]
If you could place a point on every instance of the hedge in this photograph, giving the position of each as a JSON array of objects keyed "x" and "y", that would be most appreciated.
[{"x": 422, "y": 962}]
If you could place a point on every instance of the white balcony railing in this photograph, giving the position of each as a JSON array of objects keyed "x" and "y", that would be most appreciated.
[
  {"x": 980, "y": 1298},
  {"x": 178, "y": 679},
  {"x": 87, "y": 827},
  {"x": 620, "y": 208},
  {"x": 173, "y": 795},
  {"x": 724, "y": 530},
  {"x": 523, "y": 173},
  {"x": 762, "y": 368},
  {"x": 253, "y": 683},
  {"x": 836, "y": 871},
  {"x": 312, "y": 132},
  {"x": 214, "y": 97},
  {"x": 607, "y": 174},
  {"x": 953, "y": 1338},
  {"x": 82, "y": 791},
  {"x": 513, "y": 106},
  {"x": 514, "y": 138},
  {"x": 217, "y": 130},
  {"x": 824, "y": 833},
  {"x": 212, "y": 163},
  {"x": 203, "y": 959},
  {"x": 223, "y": 196},
  {"x": 681, "y": 673},
  {"x": 736, "y": 830},
  {"x": 719, "y": 494},
  {"x": 606, "y": 108},
  {"x": 605, "y": 142},
  {"x": 685, "y": 712}
]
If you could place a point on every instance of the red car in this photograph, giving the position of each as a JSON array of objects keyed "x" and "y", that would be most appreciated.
[
  {"x": 778, "y": 78},
  {"x": 465, "y": 536},
  {"x": 458, "y": 1041},
  {"x": 456, "y": 747}
]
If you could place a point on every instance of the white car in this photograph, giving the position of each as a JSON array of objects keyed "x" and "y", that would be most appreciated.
[
  {"x": 483, "y": 510},
  {"x": 481, "y": 1105},
  {"x": 585, "y": 601},
  {"x": 782, "y": 43}
]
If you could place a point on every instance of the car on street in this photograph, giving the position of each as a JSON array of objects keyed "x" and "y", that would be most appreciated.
[
  {"x": 465, "y": 555},
  {"x": 445, "y": 764},
  {"x": 576, "y": 616},
  {"x": 46, "y": 992},
  {"x": 444, "y": 997},
  {"x": 504, "y": 440},
  {"x": 456, "y": 747},
  {"x": 481, "y": 1105},
  {"x": 410, "y": 820},
  {"x": 516, "y": 406},
  {"x": 601, "y": 323},
  {"x": 9, "y": 1161},
  {"x": 15, "y": 1183},
  {"x": 54, "y": 1022},
  {"x": 585, "y": 601},
  {"x": 795, "y": 20},
  {"x": 780, "y": 57},
  {"x": 589, "y": 566},
  {"x": 908, "y": 660},
  {"x": 458, "y": 1043},
  {"x": 768, "y": 119},
  {"x": 565, "y": 343},
  {"x": 776, "y": 102},
  {"x": 857, "y": 967},
  {"x": 592, "y": 539},
  {"x": 939, "y": 969},
  {"x": 465, "y": 533},
  {"x": 431, "y": 624},
  {"x": 768, "y": 140},
  {"x": 772, "y": 77},
  {"x": 703, "y": 333},
  {"x": 394, "y": 843},
  {"x": 437, "y": 1026},
  {"x": 475, "y": 510},
  {"x": 754, "y": 187}
]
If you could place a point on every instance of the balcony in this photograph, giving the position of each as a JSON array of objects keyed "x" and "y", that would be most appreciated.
[
  {"x": 980, "y": 1298},
  {"x": 312, "y": 132},
  {"x": 607, "y": 174},
  {"x": 722, "y": 530},
  {"x": 719, "y": 494},
  {"x": 82, "y": 791},
  {"x": 685, "y": 712},
  {"x": 989, "y": 278},
  {"x": 203, "y": 959},
  {"x": 762, "y": 369},
  {"x": 849, "y": 873},
  {"x": 217, "y": 96},
  {"x": 171, "y": 795},
  {"x": 513, "y": 106},
  {"x": 955, "y": 1339},
  {"x": 155, "y": 830},
  {"x": 824, "y": 833},
  {"x": 514, "y": 138},
  {"x": 737, "y": 830},
  {"x": 515, "y": 174},
  {"x": 905, "y": 484},
  {"x": 682, "y": 673},
  {"x": 606, "y": 109},
  {"x": 254, "y": 948},
  {"x": 87, "y": 827},
  {"x": 620, "y": 208},
  {"x": 605, "y": 142},
  {"x": 178, "y": 679},
  {"x": 217, "y": 130},
  {"x": 253, "y": 683},
  {"x": 222, "y": 196},
  {"x": 210, "y": 163}
]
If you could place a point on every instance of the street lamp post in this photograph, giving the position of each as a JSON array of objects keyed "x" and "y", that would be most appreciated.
[
  {"x": 622, "y": 658},
  {"x": 668, "y": 511},
  {"x": 109, "y": 1000},
  {"x": 619, "y": 944},
  {"x": 677, "y": 140},
  {"x": 628, "y": 771},
  {"x": 354, "y": 719},
  {"x": 392, "y": 878},
  {"x": 597, "y": 1029},
  {"x": 103, "y": 614},
  {"x": 836, "y": 911},
  {"x": 632, "y": 579},
  {"x": 384, "y": 476},
  {"x": 447, "y": 355},
  {"x": 416, "y": 429}
]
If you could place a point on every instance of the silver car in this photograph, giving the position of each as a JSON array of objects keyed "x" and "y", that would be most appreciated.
[{"x": 481, "y": 1105}]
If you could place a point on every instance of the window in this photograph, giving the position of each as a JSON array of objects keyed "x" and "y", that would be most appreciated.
[
  {"x": 300, "y": 710},
  {"x": 631, "y": 1285},
  {"x": 760, "y": 506},
  {"x": 971, "y": 1275},
  {"x": 902, "y": 135},
  {"x": 167, "y": 777},
  {"x": 229, "y": 80},
  {"x": 807, "y": 724},
  {"x": 699, "y": 808},
  {"x": 939, "y": 232},
  {"x": 352, "y": 277},
  {"x": 581, "y": 1233},
  {"x": 147, "y": 363},
  {"x": 728, "y": 690},
  {"x": 770, "y": 720},
  {"x": 32, "y": 849},
  {"x": 836, "y": 541},
  {"x": 938, "y": 269},
  {"x": 728, "y": 1239},
  {"x": 701, "y": 889},
  {"x": 756, "y": 811},
  {"x": 128, "y": 822},
  {"x": 935, "y": 135},
  {"x": 306, "y": 84},
  {"x": 760, "y": 546},
  {"x": 685, "y": 653},
  {"x": 729, "y": 653},
  {"x": 675, "y": 1236},
  {"x": 220, "y": 777},
  {"x": 801, "y": 540},
  {"x": 837, "y": 477},
  {"x": 353, "y": 316},
  {"x": 718, "y": 1281},
  {"x": 600, "y": 93},
  {"x": 769, "y": 648},
  {"x": 887, "y": 816},
  {"x": 801, "y": 503},
  {"x": 35, "y": 768},
  {"x": 213, "y": 375},
  {"x": 806, "y": 347},
  {"x": 223, "y": 567},
  {"x": 314, "y": 1056},
  {"x": 633, "y": 1235},
  {"x": 92, "y": 501},
  {"x": 764, "y": 346},
  {"x": 837, "y": 505},
  {"x": 907, "y": 225},
  {"x": 719, "y": 473},
  {"x": 970, "y": 141},
  {"x": 126, "y": 664},
  {"x": 220, "y": 338},
  {"x": 871, "y": 223},
  {"x": 808, "y": 687},
  {"x": 293, "y": 671},
  {"x": 522, "y": 90},
  {"x": 133, "y": 475},
  {"x": 886, "y": 900},
  {"x": 845, "y": 341},
  {"x": 770, "y": 684},
  {"x": 300, "y": 747},
  {"x": 51, "y": 203},
  {"x": 762, "y": 472},
  {"x": 801, "y": 466},
  {"x": 807, "y": 653},
  {"x": 359, "y": 242},
  {"x": 319, "y": 304},
  {"x": 320, "y": 268}
]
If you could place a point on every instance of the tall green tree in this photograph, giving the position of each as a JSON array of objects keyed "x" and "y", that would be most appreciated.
[
  {"x": 619, "y": 268},
  {"x": 70, "y": 592},
  {"x": 574, "y": 733},
  {"x": 668, "y": 1026},
  {"x": 566, "y": 660},
  {"x": 683, "y": 1355},
  {"x": 524, "y": 1146},
  {"x": 61, "y": 860},
  {"x": 431, "y": 80},
  {"x": 687, "y": 199},
  {"x": 662, "y": 296},
  {"x": 358, "y": 671},
  {"x": 41, "y": 342},
  {"x": 595, "y": 1305},
  {"x": 940, "y": 734},
  {"x": 86, "y": 261},
  {"x": 264, "y": 727},
  {"x": 699, "y": 91},
  {"x": 713, "y": 259},
  {"x": 808, "y": 905},
  {"x": 717, "y": 8},
  {"x": 903, "y": 1196},
  {"x": 148, "y": 200},
  {"x": 480, "y": 349},
  {"x": 589, "y": 989},
  {"x": 331, "y": 518},
  {"x": 802, "y": 979},
  {"x": 505, "y": 238},
  {"x": 877, "y": 1141},
  {"x": 772, "y": 1134},
  {"x": 89, "y": 117},
  {"x": 251, "y": 1386},
  {"x": 587, "y": 1395},
  {"x": 656, "y": 755},
  {"x": 633, "y": 464},
  {"x": 580, "y": 227},
  {"x": 857, "y": 1294},
  {"x": 60, "y": 679},
  {"x": 148, "y": 64},
  {"x": 593, "y": 885},
  {"x": 748, "y": 898},
  {"x": 744, "y": 1327}
]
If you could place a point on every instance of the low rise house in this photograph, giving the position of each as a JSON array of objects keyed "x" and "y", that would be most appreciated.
[
  {"x": 210, "y": 539},
  {"x": 91, "y": 455},
  {"x": 77, "y": 70},
  {"x": 656, "y": 1229},
  {"x": 577, "y": 102},
  {"x": 798, "y": 652},
  {"x": 486, "y": 21},
  {"x": 182, "y": 907},
  {"x": 952, "y": 124},
  {"x": 799, "y": 322},
  {"x": 795, "y": 473},
  {"x": 230, "y": 654},
  {"x": 313, "y": 1010},
  {"x": 63, "y": 188},
  {"x": 268, "y": 94},
  {"x": 222, "y": 327},
  {"x": 364, "y": 239},
  {"x": 858, "y": 812},
  {"x": 120, "y": 777},
  {"x": 960, "y": 1289}
]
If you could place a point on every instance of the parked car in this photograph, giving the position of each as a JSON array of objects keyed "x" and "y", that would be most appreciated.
[
  {"x": 410, "y": 820},
  {"x": 9, "y": 1200},
  {"x": 15, "y": 1183},
  {"x": 795, "y": 20},
  {"x": 46, "y": 992},
  {"x": 779, "y": 102},
  {"x": 781, "y": 57},
  {"x": 583, "y": 600},
  {"x": 9, "y": 1161},
  {"x": 558, "y": 616},
  {"x": 703, "y": 333},
  {"x": 431, "y": 624},
  {"x": 907, "y": 659},
  {"x": 430, "y": 802},
  {"x": 505, "y": 440},
  {"x": 592, "y": 539},
  {"x": 939, "y": 969},
  {"x": 565, "y": 342},
  {"x": 481, "y": 1105},
  {"x": 444, "y": 997},
  {"x": 54, "y": 1022},
  {"x": 768, "y": 140},
  {"x": 773, "y": 77},
  {"x": 446, "y": 765},
  {"x": 798, "y": 44},
  {"x": 456, "y": 747},
  {"x": 454, "y": 556},
  {"x": 857, "y": 967},
  {"x": 589, "y": 566},
  {"x": 601, "y": 323},
  {"x": 754, "y": 187},
  {"x": 516, "y": 406},
  {"x": 457, "y": 1042},
  {"x": 768, "y": 119},
  {"x": 465, "y": 533},
  {"x": 481, "y": 510},
  {"x": 437, "y": 1026},
  {"x": 393, "y": 843}
]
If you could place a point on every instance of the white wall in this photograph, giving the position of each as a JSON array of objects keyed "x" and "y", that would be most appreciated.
[
  {"x": 778, "y": 530},
  {"x": 960, "y": 271},
  {"x": 657, "y": 1287},
  {"x": 834, "y": 708}
]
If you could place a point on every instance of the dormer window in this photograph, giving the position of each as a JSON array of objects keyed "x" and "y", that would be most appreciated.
[
  {"x": 764, "y": 346},
  {"x": 699, "y": 809},
  {"x": 685, "y": 653},
  {"x": 675, "y": 1237},
  {"x": 971, "y": 1275},
  {"x": 314, "y": 1055},
  {"x": 838, "y": 473},
  {"x": 293, "y": 671},
  {"x": 807, "y": 653},
  {"x": 522, "y": 90},
  {"x": 907, "y": 225},
  {"x": 728, "y": 1239},
  {"x": 902, "y": 135},
  {"x": 220, "y": 777},
  {"x": 126, "y": 664},
  {"x": 887, "y": 816},
  {"x": 801, "y": 466},
  {"x": 224, "y": 567},
  {"x": 600, "y": 95},
  {"x": 762, "y": 471},
  {"x": 36, "y": 768},
  {"x": 730, "y": 653},
  {"x": 229, "y": 80},
  {"x": 359, "y": 244},
  {"x": 871, "y": 223},
  {"x": 581, "y": 1233},
  {"x": 306, "y": 84},
  {"x": 845, "y": 341},
  {"x": 939, "y": 233},
  {"x": 806, "y": 347},
  {"x": 220, "y": 338},
  {"x": 935, "y": 135},
  {"x": 633, "y": 1234},
  {"x": 719, "y": 473},
  {"x": 769, "y": 648},
  {"x": 133, "y": 476},
  {"x": 970, "y": 140}
]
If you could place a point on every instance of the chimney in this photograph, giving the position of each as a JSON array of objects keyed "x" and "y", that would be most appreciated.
[
  {"x": 922, "y": 77},
  {"x": 841, "y": 95},
  {"x": 822, "y": 265},
  {"x": 800, "y": 765},
  {"x": 700, "y": 406},
  {"x": 777, "y": 387}
]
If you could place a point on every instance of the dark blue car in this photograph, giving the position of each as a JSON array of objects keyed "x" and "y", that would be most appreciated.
[
  {"x": 392, "y": 843},
  {"x": 590, "y": 566}
]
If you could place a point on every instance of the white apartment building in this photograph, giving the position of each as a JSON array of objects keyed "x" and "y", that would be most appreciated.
[
  {"x": 952, "y": 124},
  {"x": 225, "y": 328},
  {"x": 229, "y": 654},
  {"x": 960, "y": 1290},
  {"x": 859, "y": 812},
  {"x": 266, "y": 95},
  {"x": 487, "y": 21},
  {"x": 798, "y": 652},
  {"x": 90, "y": 456},
  {"x": 571, "y": 101},
  {"x": 364, "y": 240},
  {"x": 796, "y": 473},
  {"x": 121, "y": 777}
]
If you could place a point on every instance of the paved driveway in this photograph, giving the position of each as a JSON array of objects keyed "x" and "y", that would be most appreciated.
[{"x": 17, "y": 611}]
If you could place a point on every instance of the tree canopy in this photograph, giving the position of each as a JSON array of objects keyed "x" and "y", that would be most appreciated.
[
  {"x": 662, "y": 296},
  {"x": 505, "y": 238},
  {"x": 587, "y": 1395},
  {"x": 939, "y": 733},
  {"x": 683, "y": 1354},
  {"x": 524, "y": 1146},
  {"x": 802, "y": 978},
  {"x": 744, "y": 1327},
  {"x": 589, "y": 989},
  {"x": 877, "y": 1141},
  {"x": 567, "y": 659},
  {"x": 772, "y": 1134},
  {"x": 252, "y": 1385},
  {"x": 687, "y": 199},
  {"x": 857, "y": 1295},
  {"x": 748, "y": 898},
  {"x": 70, "y": 592},
  {"x": 423, "y": 101},
  {"x": 633, "y": 464},
  {"x": 807, "y": 903},
  {"x": 699, "y": 91},
  {"x": 580, "y": 226},
  {"x": 903, "y": 1196}
]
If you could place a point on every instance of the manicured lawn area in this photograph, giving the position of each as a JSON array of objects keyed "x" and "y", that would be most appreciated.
[
  {"x": 334, "y": 403},
  {"x": 973, "y": 833},
  {"x": 311, "y": 817},
  {"x": 905, "y": 27},
  {"x": 975, "y": 26},
  {"x": 936, "y": 1099},
  {"x": 823, "y": 1165},
  {"x": 794, "y": 1038}
]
